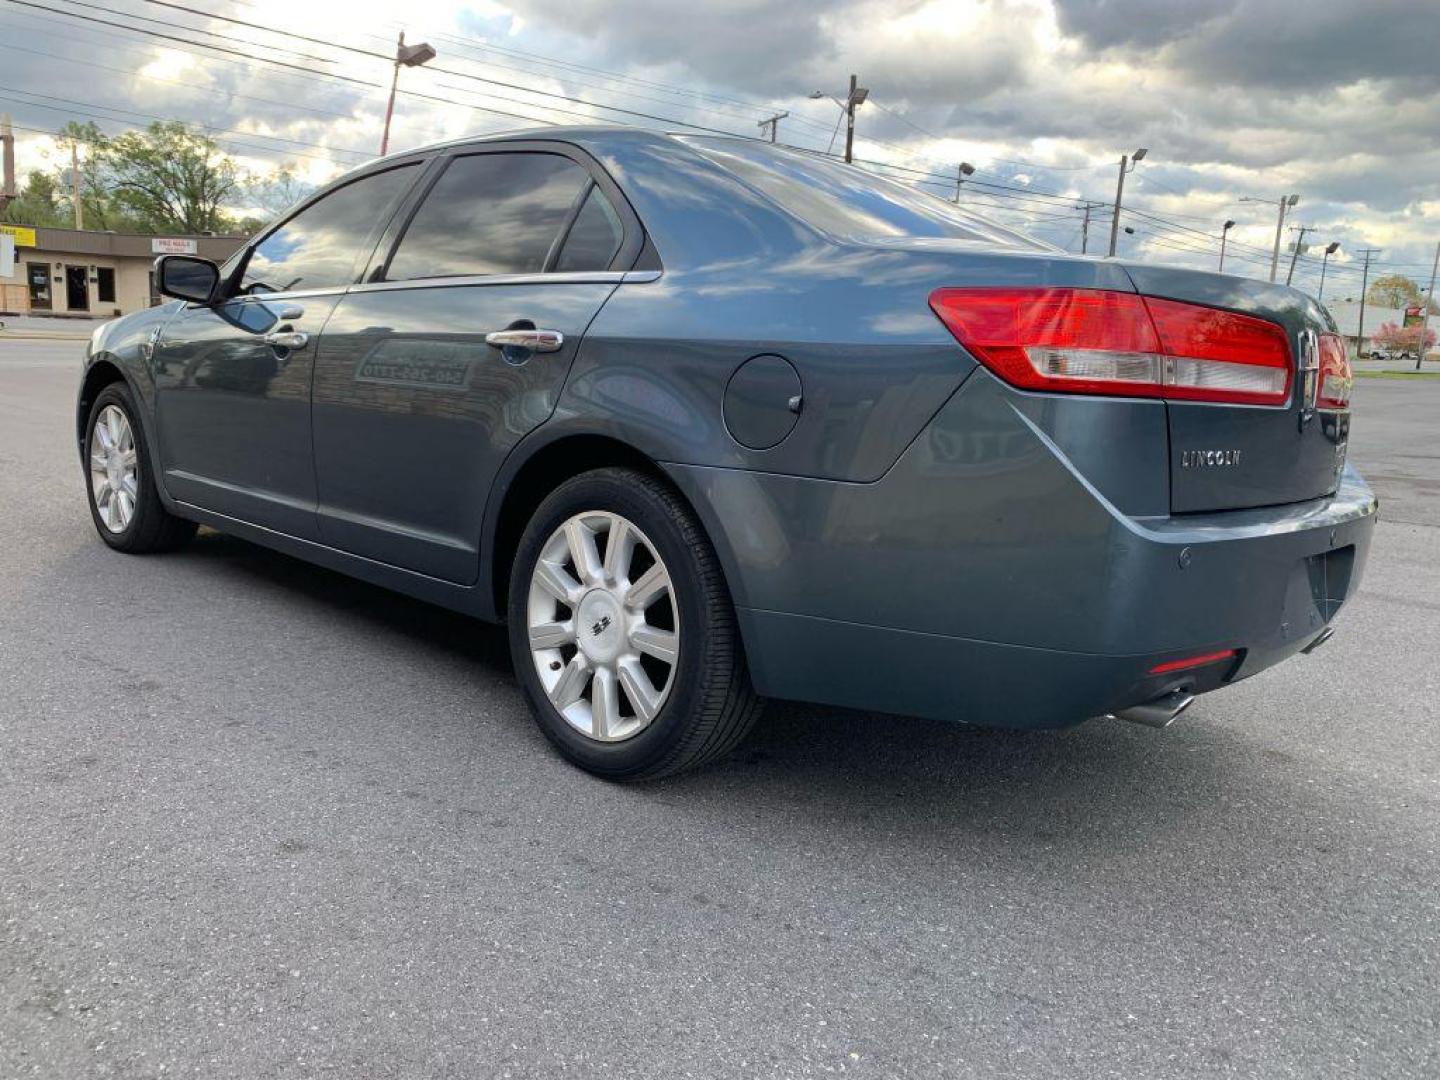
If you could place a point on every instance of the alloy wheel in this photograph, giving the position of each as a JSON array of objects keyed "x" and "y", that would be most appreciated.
[
  {"x": 114, "y": 469},
  {"x": 603, "y": 626}
]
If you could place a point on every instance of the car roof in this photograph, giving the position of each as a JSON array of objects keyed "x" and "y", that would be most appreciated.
[{"x": 573, "y": 133}]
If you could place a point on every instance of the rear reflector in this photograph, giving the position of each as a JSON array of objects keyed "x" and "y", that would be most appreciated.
[
  {"x": 1192, "y": 662},
  {"x": 1091, "y": 341},
  {"x": 1335, "y": 376}
]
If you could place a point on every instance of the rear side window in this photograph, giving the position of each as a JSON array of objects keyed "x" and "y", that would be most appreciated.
[
  {"x": 594, "y": 238},
  {"x": 490, "y": 214},
  {"x": 318, "y": 247}
]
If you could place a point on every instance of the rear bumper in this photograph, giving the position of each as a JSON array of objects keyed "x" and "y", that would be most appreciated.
[{"x": 984, "y": 579}]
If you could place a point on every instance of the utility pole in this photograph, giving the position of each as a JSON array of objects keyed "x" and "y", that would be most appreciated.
[
  {"x": 1425, "y": 318},
  {"x": 773, "y": 123},
  {"x": 7, "y": 169},
  {"x": 1127, "y": 164},
  {"x": 1285, "y": 203},
  {"x": 965, "y": 169},
  {"x": 850, "y": 104},
  {"x": 1295, "y": 254},
  {"x": 1367, "y": 254},
  {"x": 405, "y": 56},
  {"x": 1224, "y": 235},
  {"x": 857, "y": 96},
  {"x": 1088, "y": 207},
  {"x": 75, "y": 185}
]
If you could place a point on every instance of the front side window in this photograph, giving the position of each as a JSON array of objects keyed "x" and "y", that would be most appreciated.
[
  {"x": 490, "y": 214},
  {"x": 318, "y": 247}
]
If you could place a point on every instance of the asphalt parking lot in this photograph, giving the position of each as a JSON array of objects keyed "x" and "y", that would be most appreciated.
[{"x": 258, "y": 820}]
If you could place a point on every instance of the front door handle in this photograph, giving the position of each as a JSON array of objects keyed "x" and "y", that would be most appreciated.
[
  {"x": 534, "y": 340},
  {"x": 287, "y": 339}
]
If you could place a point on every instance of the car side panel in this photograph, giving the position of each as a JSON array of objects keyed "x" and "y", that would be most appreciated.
[{"x": 874, "y": 361}]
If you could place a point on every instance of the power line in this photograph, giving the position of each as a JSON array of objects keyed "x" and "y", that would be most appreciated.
[
  {"x": 81, "y": 109},
  {"x": 389, "y": 58}
]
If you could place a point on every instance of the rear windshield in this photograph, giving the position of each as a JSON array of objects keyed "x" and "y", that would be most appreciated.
[{"x": 847, "y": 201}]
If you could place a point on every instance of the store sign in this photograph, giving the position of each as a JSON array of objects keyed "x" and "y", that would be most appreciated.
[
  {"x": 1414, "y": 315},
  {"x": 23, "y": 237},
  {"x": 165, "y": 245}
]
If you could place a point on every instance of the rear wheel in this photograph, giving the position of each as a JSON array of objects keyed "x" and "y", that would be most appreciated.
[
  {"x": 124, "y": 502},
  {"x": 622, "y": 631}
]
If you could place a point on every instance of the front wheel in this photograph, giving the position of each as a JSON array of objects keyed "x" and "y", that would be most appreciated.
[
  {"x": 622, "y": 631},
  {"x": 124, "y": 501}
]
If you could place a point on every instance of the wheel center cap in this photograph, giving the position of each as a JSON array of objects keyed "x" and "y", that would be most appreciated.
[{"x": 600, "y": 626}]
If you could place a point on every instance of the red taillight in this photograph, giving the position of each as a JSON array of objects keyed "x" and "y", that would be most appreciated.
[
  {"x": 1192, "y": 662},
  {"x": 1091, "y": 341},
  {"x": 1335, "y": 377}
]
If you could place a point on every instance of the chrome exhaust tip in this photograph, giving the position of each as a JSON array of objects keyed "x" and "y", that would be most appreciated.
[{"x": 1159, "y": 713}]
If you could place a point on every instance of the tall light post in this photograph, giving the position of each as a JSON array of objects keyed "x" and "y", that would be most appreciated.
[
  {"x": 1127, "y": 164},
  {"x": 965, "y": 169},
  {"x": 1224, "y": 235},
  {"x": 1286, "y": 202},
  {"x": 1330, "y": 249},
  {"x": 405, "y": 56},
  {"x": 856, "y": 97}
]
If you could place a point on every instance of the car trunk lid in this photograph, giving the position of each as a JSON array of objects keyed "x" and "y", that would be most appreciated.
[{"x": 1226, "y": 456}]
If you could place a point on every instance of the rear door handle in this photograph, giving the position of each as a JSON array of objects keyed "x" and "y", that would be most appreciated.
[
  {"x": 287, "y": 339},
  {"x": 534, "y": 340}
]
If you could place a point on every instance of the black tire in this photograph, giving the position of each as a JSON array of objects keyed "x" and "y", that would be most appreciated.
[
  {"x": 151, "y": 526},
  {"x": 711, "y": 705}
]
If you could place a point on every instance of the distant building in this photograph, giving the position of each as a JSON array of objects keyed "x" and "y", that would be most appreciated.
[
  {"x": 1346, "y": 314},
  {"x": 96, "y": 274}
]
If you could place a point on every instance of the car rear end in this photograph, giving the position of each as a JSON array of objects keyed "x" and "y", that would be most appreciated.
[
  {"x": 1266, "y": 532},
  {"x": 1138, "y": 491}
]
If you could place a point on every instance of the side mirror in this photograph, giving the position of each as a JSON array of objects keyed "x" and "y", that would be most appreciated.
[{"x": 187, "y": 277}]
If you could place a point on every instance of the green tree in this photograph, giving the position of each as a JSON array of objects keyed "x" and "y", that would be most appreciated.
[
  {"x": 1393, "y": 291},
  {"x": 38, "y": 204},
  {"x": 166, "y": 178}
]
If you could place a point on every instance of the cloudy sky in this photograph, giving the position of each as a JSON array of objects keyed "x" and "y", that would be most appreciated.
[{"x": 1336, "y": 100}]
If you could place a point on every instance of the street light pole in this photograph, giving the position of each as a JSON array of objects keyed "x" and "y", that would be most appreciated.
[
  {"x": 1127, "y": 164},
  {"x": 1224, "y": 235},
  {"x": 1330, "y": 249},
  {"x": 965, "y": 169},
  {"x": 405, "y": 56},
  {"x": 1285, "y": 203}
]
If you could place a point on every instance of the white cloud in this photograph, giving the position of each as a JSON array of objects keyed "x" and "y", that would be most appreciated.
[{"x": 1337, "y": 101}]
